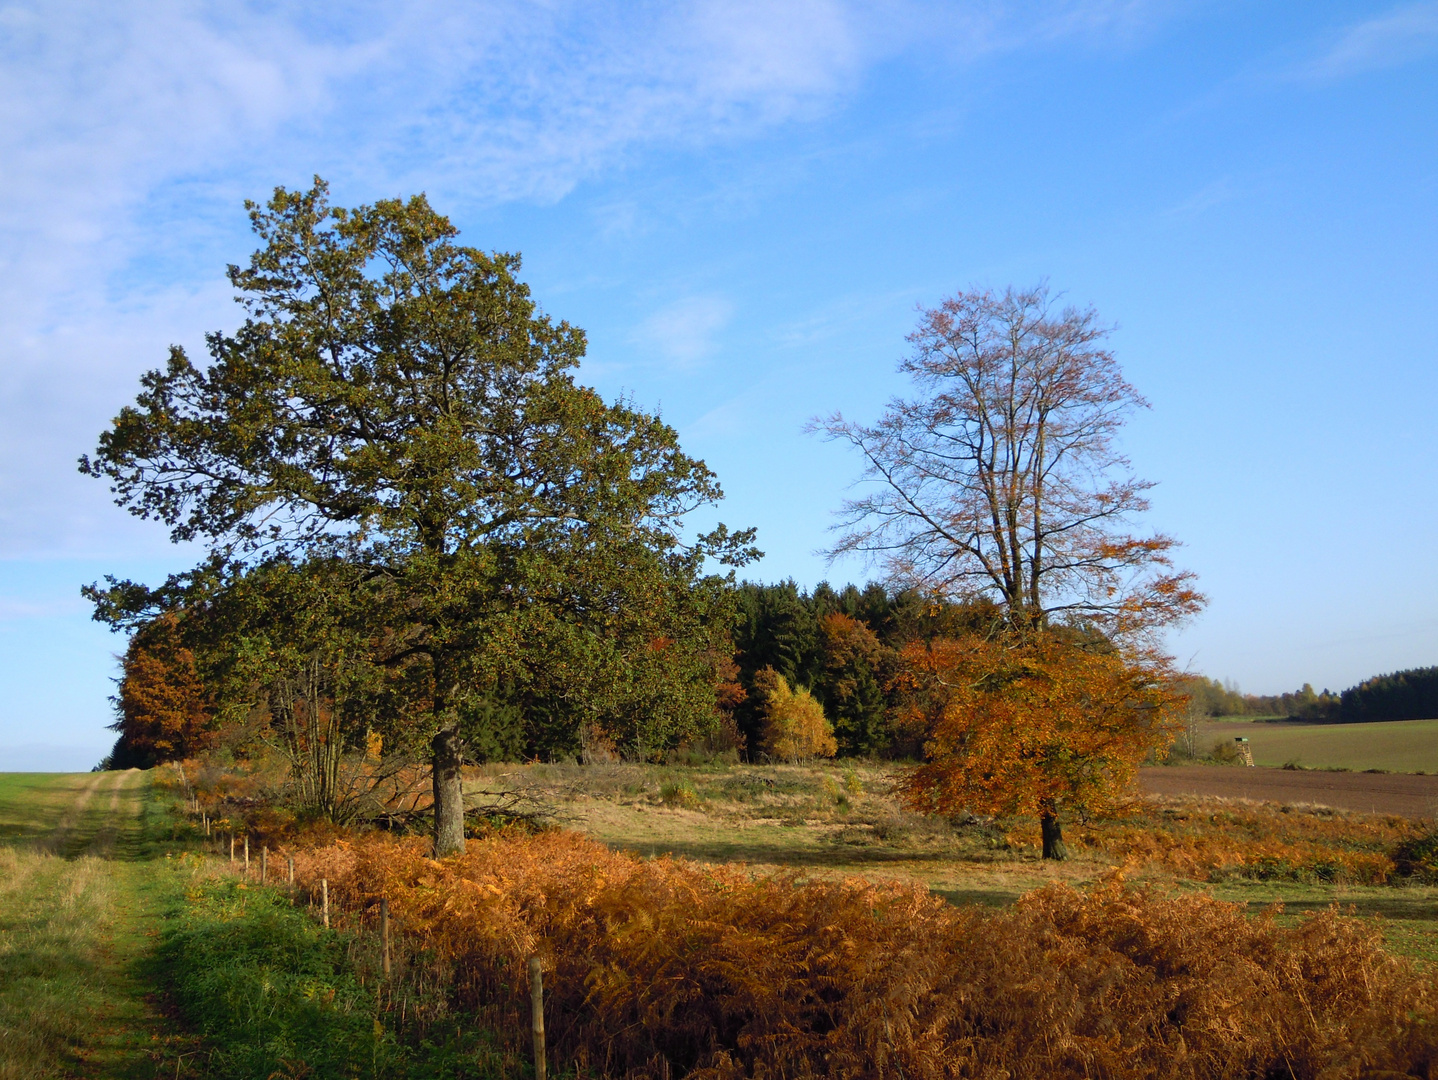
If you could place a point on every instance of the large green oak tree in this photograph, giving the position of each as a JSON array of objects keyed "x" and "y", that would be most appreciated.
[{"x": 397, "y": 402}]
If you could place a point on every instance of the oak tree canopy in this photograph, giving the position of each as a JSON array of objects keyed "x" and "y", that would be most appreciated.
[{"x": 397, "y": 401}]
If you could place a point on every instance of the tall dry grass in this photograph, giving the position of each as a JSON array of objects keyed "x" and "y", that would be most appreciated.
[
  {"x": 664, "y": 967},
  {"x": 1211, "y": 839},
  {"x": 56, "y": 917}
]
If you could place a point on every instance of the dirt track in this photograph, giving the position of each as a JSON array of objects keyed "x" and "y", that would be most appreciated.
[{"x": 1390, "y": 793}]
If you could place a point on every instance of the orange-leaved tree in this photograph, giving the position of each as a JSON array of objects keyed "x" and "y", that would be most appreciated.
[
  {"x": 1001, "y": 480},
  {"x": 1034, "y": 726},
  {"x": 165, "y": 710}
]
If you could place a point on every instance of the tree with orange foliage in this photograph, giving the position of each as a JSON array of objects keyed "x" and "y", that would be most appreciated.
[
  {"x": 1002, "y": 481},
  {"x": 729, "y": 694},
  {"x": 854, "y": 660},
  {"x": 165, "y": 712},
  {"x": 1034, "y": 726}
]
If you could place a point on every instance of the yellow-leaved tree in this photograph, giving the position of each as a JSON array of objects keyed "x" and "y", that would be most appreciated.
[{"x": 795, "y": 728}]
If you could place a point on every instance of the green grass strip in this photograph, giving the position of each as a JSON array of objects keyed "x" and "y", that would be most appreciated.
[{"x": 274, "y": 994}]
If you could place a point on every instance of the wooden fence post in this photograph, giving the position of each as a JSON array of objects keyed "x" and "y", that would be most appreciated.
[
  {"x": 264, "y": 863},
  {"x": 325, "y": 900},
  {"x": 247, "y": 856},
  {"x": 291, "y": 860},
  {"x": 232, "y": 847},
  {"x": 536, "y": 1008},
  {"x": 384, "y": 931}
]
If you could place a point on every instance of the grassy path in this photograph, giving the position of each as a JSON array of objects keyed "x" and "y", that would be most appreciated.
[{"x": 82, "y": 892}]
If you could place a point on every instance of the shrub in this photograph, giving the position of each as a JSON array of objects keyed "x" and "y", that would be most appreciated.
[
  {"x": 661, "y": 964},
  {"x": 1224, "y": 751},
  {"x": 1417, "y": 857},
  {"x": 678, "y": 793}
]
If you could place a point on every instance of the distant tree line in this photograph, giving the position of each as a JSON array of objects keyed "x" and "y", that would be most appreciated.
[
  {"x": 1209, "y": 697},
  {"x": 798, "y": 674},
  {"x": 1402, "y": 695}
]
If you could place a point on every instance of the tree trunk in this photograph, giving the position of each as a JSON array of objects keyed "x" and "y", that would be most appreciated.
[
  {"x": 448, "y": 794},
  {"x": 1053, "y": 834}
]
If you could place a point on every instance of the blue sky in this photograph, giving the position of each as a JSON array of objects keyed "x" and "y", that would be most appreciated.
[{"x": 744, "y": 204}]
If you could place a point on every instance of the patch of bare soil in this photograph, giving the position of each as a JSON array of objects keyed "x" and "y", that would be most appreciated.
[{"x": 1377, "y": 793}]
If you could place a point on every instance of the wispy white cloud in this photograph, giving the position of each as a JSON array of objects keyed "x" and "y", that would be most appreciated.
[
  {"x": 101, "y": 102},
  {"x": 12, "y": 610},
  {"x": 1399, "y": 36},
  {"x": 527, "y": 100},
  {"x": 685, "y": 333},
  {"x": 129, "y": 131},
  {"x": 1214, "y": 193},
  {"x": 748, "y": 411},
  {"x": 1120, "y": 20}
]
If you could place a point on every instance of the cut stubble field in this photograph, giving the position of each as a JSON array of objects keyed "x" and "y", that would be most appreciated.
[
  {"x": 1399, "y": 746},
  {"x": 1370, "y": 793}
]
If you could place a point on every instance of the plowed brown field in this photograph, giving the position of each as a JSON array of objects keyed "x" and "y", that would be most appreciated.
[{"x": 1379, "y": 793}]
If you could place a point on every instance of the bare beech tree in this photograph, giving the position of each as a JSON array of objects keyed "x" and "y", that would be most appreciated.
[{"x": 1001, "y": 478}]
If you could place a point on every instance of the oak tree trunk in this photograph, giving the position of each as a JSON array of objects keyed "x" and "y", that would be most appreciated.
[
  {"x": 1053, "y": 835},
  {"x": 448, "y": 793}
]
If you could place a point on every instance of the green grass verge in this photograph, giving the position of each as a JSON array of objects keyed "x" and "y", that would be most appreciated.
[
  {"x": 275, "y": 994},
  {"x": 123, "y": 954},
  {"x": 1407, "y": 915},
  {"x": 80, "y": 897}
]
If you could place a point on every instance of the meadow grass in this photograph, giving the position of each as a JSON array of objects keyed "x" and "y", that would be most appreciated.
[
  {"x": 832, "y": 821},
  {"x": 1396, "y": 746},
  {"x": 92, "y": 879},
  {"x": 126, "y": 952},
  {"x": 273, "y": 994},
  {"x": 79, "y": 902},
  {"x": 33, "y": 804}
]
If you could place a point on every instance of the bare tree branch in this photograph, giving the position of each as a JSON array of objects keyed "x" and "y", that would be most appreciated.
[{"x": 1001, "y": 477}]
